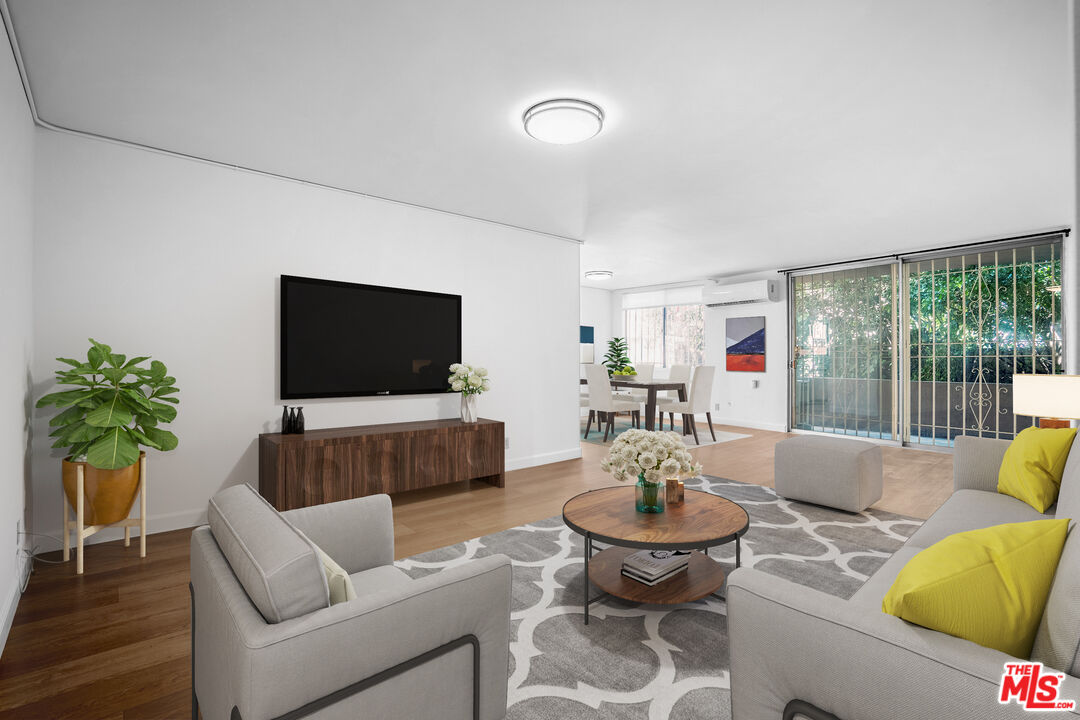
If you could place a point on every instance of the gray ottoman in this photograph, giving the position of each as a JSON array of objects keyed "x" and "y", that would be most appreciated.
[{"x": 837, "y": 472}]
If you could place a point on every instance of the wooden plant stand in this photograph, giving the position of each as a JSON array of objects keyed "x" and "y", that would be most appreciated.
[{"x": 85, "y": 531}]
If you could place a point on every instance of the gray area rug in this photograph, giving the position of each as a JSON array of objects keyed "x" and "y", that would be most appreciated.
[{"x": 652, "y": 662}]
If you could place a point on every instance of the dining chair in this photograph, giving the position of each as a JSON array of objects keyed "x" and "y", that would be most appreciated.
[
  {"x": 698, "y": 398},
  {"x": 604, "y": 404},
  {"x": 677, "y": 373},
  {"x": 645, "y": 372}
]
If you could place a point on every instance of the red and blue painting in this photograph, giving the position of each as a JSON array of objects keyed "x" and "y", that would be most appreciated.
[{"x": 746, "y": 344}]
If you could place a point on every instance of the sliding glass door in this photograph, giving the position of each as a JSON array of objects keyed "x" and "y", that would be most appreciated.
[
  {"x": 973, "y": 321},
  {"x": 844, "y": 354},
  {"x": 924, "y": 348}
]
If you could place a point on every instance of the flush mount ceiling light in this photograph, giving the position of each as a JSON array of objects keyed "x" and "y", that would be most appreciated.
[
  {"x": 563, "y": 122},
  {"x": 599, "y": 275}
]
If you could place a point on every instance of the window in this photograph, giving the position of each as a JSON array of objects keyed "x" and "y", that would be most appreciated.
[{"x": 667, "y": 335}]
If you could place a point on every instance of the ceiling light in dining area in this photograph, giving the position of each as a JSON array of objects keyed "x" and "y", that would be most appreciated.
[
  {"x": 564, "y": 121},
  {"x": 599, "y": 275}
]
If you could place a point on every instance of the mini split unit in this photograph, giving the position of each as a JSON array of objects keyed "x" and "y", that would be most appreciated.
[{"x": 718, "y": 293}]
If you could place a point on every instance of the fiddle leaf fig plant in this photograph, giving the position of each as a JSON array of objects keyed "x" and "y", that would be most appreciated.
[{"x": 116, "y": 405}]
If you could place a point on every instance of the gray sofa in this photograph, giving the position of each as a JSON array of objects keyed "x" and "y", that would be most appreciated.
[
  {"x": 798, "y": 653},
  {"x": 266, "y": 643}
]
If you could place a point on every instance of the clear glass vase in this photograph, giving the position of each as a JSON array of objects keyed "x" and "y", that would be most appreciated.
[
  {"x": 650, "y": 496},
  {"x": 468, "y": 408}
]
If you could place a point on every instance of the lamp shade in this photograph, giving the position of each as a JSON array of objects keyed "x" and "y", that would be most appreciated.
[{"x": 1047, "y": 396}]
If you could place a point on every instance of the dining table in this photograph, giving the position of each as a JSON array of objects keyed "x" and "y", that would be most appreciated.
[{"x": 652, "y": 387}]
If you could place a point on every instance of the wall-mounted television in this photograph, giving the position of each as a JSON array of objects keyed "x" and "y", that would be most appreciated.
[{"x": 342, "y": 339}]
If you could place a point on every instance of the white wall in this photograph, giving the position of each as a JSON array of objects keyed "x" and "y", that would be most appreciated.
[
  {"x": 596, "y": 312},
  {"x": 180, "y": 260},
  {"x": 740, "y": 403},
  {"x": 16, "y": 246}
]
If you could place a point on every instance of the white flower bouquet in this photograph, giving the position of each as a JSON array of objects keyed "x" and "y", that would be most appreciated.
[
  {"x": 653, "y": 457},
  {"x": 468, "y": 380}
]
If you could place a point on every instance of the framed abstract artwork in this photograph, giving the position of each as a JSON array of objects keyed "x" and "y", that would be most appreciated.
[{"x": 746, "y": 344}]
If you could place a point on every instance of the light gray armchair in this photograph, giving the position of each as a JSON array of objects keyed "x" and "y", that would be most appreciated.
[
  {"x": 267, "y": 644},
  {"x": 797, "y": 653}
]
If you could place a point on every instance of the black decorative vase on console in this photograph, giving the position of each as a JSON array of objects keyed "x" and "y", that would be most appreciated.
[{"x": 292, "y": 420}]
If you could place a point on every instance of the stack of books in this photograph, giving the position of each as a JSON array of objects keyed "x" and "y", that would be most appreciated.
[{"x": 653, "y": 567}]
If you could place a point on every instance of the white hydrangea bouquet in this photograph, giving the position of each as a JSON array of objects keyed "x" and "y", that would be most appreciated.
[
  {"x": 652, "y": 457},
  {"x": 469, "y": 381}
]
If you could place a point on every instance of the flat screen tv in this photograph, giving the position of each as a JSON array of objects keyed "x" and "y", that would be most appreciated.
[{"x": 341, "y": 339}]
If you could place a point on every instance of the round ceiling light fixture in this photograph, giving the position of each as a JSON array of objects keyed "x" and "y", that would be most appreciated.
[
  {"x": 599, "y": 275},
  {"x": 563, "y": 122}
]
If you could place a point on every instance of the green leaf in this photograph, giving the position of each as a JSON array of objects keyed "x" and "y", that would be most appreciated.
[
  {"x": 95, "y": 356},
  {"x": 114, "y": 374},
  {"x": 136, "y": 360},
  {"x": 86, "y": 433},
  {"x": 168, "y": 390},
  {"x": 79, "y": 450},
  {"x": 158, "y": 369},
  {"x": 115, "y": 449},
  {"x": 145, "y": 421},
  {"x": 72, "y": 363},
  {"x": 140, "y": 437},
  {"x": 164, "y": 413},
  {"x": 110, "y": 414},
  {"x": 67, "y": 417},
  {"x": 138, "y": 399},
  {"x": 62, "y": 398},
  {"x": 164, "y": 440},
  {"x": 174, "y": 401},
  {"x": 93, "y": 398},
  {"x": 117, "y": 360}
]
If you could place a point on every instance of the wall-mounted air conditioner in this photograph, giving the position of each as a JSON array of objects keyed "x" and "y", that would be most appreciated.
[{"x": 718, "y": 293}]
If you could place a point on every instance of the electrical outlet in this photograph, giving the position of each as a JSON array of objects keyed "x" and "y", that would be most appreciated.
[
  {"x": 754, "y": 383},
  {"x": 507, "y": 443},
  {"x": 717, "y": 408}
]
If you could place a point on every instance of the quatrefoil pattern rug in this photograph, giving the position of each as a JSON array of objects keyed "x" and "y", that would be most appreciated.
[{"x": 653, "y": 662}]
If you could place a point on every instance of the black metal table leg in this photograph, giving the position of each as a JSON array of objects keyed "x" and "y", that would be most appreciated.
[
  {"x": 588, "y": 553},
  {"x": 738, "y": 554}
]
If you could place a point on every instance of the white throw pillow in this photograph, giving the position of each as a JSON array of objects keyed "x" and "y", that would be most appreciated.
[{"x": 339, "y": 582}]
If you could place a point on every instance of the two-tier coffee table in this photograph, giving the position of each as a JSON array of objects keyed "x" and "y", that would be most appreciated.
[{"x": 701, "y": 521}]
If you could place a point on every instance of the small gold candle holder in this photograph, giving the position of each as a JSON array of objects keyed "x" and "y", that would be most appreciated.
[
  {"x": 682, "y": 492},
  {"x": 672, "y": 491}
]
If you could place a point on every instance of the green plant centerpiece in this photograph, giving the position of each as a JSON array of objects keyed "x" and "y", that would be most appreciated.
[
  {"x": 115, "y": 406},
  {"x": 616, "y": 360},
  {"x": 652, "y": 457}
]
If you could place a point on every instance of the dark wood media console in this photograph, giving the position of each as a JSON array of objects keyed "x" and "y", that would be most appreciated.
[{"x": 322, "y": 466}]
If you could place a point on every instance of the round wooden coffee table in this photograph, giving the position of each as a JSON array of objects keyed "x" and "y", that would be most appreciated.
[{"x": 701, "y": 521}]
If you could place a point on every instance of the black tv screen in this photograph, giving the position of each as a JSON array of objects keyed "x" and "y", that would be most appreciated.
[{"x": 341, "y": 339}]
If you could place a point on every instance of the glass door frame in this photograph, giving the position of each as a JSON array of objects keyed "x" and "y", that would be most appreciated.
[
  {"x": 898, "y": 398},
  {"x": 901, "y": 347}
]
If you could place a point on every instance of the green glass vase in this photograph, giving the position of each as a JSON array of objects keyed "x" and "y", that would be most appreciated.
[{"x": 650, "y": 496}]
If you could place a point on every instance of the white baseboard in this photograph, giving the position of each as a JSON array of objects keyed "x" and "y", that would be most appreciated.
[
  {"x": 11, "y": 602},
  {"x": 737, "y": 422},
  {"x": 542, "y": 459}
]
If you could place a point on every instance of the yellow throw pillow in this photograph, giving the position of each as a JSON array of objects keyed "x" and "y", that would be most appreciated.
[
  {"x": 1032, "y": 466},
  {"x": 988, "y": 586}
]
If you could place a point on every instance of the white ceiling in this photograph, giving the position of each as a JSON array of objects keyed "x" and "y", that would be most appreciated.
[{"x": 740, "y": 135}]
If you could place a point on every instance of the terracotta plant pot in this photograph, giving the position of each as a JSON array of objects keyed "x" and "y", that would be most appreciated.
[{"x": 108, "y": 494}]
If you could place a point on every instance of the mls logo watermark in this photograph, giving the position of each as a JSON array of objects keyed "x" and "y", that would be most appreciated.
[{"x": 1033, "y": 688}]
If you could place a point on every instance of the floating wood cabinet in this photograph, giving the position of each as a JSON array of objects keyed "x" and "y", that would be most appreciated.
[{"x": 322, "y": 466}]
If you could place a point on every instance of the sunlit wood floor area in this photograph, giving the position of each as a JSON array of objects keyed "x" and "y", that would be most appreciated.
[{"x": 113, "y": 644}]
